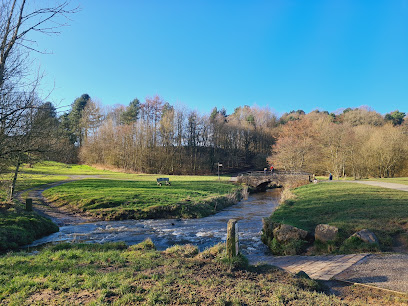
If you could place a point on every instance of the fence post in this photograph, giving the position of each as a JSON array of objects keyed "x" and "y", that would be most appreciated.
[
  {"x": 232, "y": 238},
  {"x": 29, "y": 204}
]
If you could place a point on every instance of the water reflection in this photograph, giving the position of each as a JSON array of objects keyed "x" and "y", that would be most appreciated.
[{"x": 203, "y": 232}]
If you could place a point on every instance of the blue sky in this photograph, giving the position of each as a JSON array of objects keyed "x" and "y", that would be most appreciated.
[{"x": 283, "y": 54}]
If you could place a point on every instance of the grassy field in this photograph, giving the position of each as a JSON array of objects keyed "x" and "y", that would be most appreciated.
[
  {"x": 350, "y": 207},
  {"x": 140, "y": 197},
  {"x": 115, "y": 274},
  {"x": 55, "y": 168}
]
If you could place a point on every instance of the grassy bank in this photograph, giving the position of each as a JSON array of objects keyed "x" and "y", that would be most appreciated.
[
  {"x": 121, "y": 275},
  {"x": 350, "y": 207},
  {"x": 187, "y": 197},
  {"x": 18, "y": 227}
]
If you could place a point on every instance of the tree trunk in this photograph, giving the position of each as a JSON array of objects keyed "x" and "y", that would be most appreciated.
[{"x": 13, "y": 184}]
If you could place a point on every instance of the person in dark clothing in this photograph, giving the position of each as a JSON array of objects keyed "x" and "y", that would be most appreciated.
[{"x": 330, "y": 177}]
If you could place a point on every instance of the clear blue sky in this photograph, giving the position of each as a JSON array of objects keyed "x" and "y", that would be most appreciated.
[{"x": 284, "y": 54}]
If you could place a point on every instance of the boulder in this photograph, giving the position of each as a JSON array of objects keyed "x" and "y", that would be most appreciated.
[
  {"x": 285, "y": 232},
  {"x": 366, "y": 236},
  {"x": 325, "y": 232}
]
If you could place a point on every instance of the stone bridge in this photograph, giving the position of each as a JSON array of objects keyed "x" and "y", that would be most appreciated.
[{"x": 260, "y": 180}]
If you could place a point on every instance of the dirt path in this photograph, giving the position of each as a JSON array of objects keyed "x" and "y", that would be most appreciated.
[{"x": 59, "y": 215}]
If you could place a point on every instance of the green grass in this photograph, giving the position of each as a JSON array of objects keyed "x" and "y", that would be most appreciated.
[
  {"x": 56, "y": 168},
  {"x": 27, "y": 181},
  {"x": 118, "y": 275},
  {"x": 18, "y": 227},
  {"x": 395, "y": 180},
  {"x": 350, "y": 207},
  {"x": 191, "y": 196}
]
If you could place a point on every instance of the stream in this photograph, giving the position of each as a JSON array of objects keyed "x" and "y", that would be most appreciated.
[{"x": 204, "y": 232}]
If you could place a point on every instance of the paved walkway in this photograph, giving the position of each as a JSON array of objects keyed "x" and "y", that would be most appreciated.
[
  {"x": 317, "y": 267},
  {"x": 383, "y": 184},
  {"x": 389, "y": 271}
]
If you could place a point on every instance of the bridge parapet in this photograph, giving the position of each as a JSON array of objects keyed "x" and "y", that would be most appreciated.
[{"x": 261, "y": 179}]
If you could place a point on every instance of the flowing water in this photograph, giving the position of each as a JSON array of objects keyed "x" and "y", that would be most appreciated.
[{"x": 204, "y": 232}]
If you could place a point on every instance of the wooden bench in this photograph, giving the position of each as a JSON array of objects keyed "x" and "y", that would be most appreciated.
[{"x": 163, "y": 179}]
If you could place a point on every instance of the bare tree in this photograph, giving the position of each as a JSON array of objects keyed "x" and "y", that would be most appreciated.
[{"x": 20, "y": 134}]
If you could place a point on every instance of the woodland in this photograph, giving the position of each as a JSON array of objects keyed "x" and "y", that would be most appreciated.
[{"x": 156, "y": 137}]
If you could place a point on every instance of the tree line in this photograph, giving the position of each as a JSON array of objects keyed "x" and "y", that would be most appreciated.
[
  {"x": 156, "y": 137},
  {"x": 358, "y": 142}
]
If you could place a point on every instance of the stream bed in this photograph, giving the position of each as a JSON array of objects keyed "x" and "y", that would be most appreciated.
[{"x": 204, "y": 232}]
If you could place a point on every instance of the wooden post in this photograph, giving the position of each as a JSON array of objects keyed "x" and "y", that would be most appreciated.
[
  {"x": 232, "y": 238},
  {"x": 29, "y": 204}
]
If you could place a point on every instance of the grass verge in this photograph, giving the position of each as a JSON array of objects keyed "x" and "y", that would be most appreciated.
[
  {"x": 120, "y": 275},
  {"x": 350, "y": 207}
]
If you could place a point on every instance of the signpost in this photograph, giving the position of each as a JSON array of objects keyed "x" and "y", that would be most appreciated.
[{"x": 219, "y": 165}]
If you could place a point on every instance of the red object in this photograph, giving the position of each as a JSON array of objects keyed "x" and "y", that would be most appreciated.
[{"x": 271, "y": 167}]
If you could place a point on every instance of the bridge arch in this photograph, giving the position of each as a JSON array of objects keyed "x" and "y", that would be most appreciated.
[{"x": 260, "y": 180}]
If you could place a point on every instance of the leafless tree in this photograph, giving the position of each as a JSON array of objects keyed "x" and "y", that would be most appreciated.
[{"x": 20, "y": 134}]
